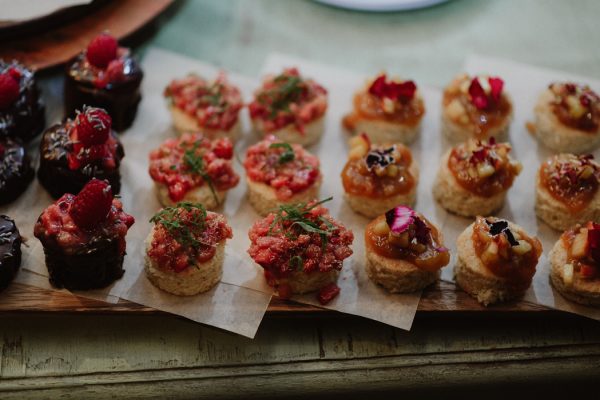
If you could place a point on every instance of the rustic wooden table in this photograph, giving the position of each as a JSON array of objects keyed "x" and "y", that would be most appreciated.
[{"x": 103, "y": 355}]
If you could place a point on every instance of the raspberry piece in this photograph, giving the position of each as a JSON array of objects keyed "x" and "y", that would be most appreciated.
[
  {"x": 93, "y": 126},
  {"x": 114, "y": 71},
  {"x": 328, "y": 293},
  {"x": 92, "y": 204},
  {"x": 9, "y": 90},
  {"x": 102, "y": 50}
]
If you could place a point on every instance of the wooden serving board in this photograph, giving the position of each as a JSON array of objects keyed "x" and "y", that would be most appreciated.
[
  {"x": 441, "y": 297},
  {"x": 49, "y": 45}
]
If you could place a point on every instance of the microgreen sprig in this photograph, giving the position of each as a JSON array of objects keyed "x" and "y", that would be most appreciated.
[
  {"x": 195, "y": 163},
  {"x": 287, "y": 91},
  {"x": 184, "y": 233},
  {"x": 288, "y": 153}
]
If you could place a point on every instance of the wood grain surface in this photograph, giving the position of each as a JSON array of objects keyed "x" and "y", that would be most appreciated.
[
  {"x": 42, "y": 50},
  {"x": 442, "y": 297}
]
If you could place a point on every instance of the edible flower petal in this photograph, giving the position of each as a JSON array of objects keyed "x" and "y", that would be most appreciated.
[
  {"x": 403, "y": 91},
  {"x": 478, "y": 96},
  {"x": 400, "y": 218}
]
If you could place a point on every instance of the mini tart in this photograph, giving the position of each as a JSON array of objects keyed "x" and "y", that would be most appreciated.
[
  {"x": 496, "y": 260},
  {"x": 82, "y": 257},
  {"x": 290, "y": 107},
  {"x": 567, "y": 191},
  {"x": 575, "y": 261},
  {"x": 280, "y": 173},
  {"x": 210, "y": 107},
  {"x": 10, "y": 250},
  {"x": 379, "y": 177},
  {"x": 567, "y": 118},
  {"x": 114, "y": 87},
  {"x": 67, "y": 164},
  {"x": 186, "y": 248},
  {"x": 388, "y": 111},
  {"x": 404, "y": 251},
  {"x": 194, "y": 169},
  {"x": 22, "y": 114},
  {"x": 301, "y": 248},
  {"x": 16, "y": 172},
  {"x": 474, "y": 177},
  {"x": 476, "y": 107}
]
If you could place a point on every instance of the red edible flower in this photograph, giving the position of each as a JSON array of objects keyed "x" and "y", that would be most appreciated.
[
  {"x": 496, "y": 85},
  {"x": 403, "y": 91},
  {"x": 9, "y": 90},
  {"x": 92, "y": 204},
  {"x": 328, "y": 293},
  {"x": 479, "y": 97}
]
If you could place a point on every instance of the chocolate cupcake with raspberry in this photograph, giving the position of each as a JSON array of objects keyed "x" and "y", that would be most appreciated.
[
  {"x": 16, "y": 171},
  {"x": 78, "y": 150},
  {"x": 84, "y": 238},
  {"x": 10, "y": 250},
  {"x": 21, "y": 108},
  {"x": 104, "y": 75}
]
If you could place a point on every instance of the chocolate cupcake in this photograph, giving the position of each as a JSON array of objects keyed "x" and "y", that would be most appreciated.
[
  {"x": 78, "y": 150},
  {"x": 15, "y": 169},
  {"x": 21, "y": 109},
  {"x": 84, "y": 238},
  {"x": 10, "y": 250},
  {"x": 104, "y": 75}
]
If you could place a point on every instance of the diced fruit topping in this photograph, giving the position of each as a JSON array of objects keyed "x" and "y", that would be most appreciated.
[
  {"x": 92, "y": 204},
  {"x": 402, "y": 233},
  {"x": 9, "y": 90},
  {"x": 392, "y": 89},
  {"x": 102, "y": 50},
  {"x": 507, "y": 252},
  {"x": 93, "y": 126},
  {"x": 583, "y": 244},
  {"x": 484, "y": 167},
  {"x": 485, "y": 92},
  {"x": 328, "y": 293},
  {"x": 576, "y": 105}
]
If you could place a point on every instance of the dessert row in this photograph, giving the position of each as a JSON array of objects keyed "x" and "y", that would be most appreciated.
[{"x": 300, "y": 246}]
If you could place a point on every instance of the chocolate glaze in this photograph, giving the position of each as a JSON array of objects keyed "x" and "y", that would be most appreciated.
[
  {"x": 119, "y": 99},
  {"x": 54, "y": 172},
  {"x": 25, "y": 119},
  {"x": 16, "y": 171},
  {"x": 10, "y": 250},
  {"x": 96, "y": 265}
]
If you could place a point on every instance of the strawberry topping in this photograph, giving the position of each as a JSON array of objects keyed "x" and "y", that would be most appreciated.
[
  {"x": 9, "y": 90},
  {"x": 92, "y": 204},
  {"x": 102, "y": 50},
  {"x": 403, "y": 91}
]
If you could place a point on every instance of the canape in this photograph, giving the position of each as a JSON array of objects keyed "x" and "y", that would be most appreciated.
[
  {"x": 496, "y": 260},
  {"x": 302, "y": 249},
  {"x": 567, "y": 191},
  {"x": 104, "y": 75},
  {"x": 193, "y": 168},
  {"x": 379, "y": 177},
  {"x": 22, "y": 111},
  {"x": 290, "y": 107},
  {"x": 84, "y": 238},
  {"x": 16, "y": 172},
  {"x": 387, "y": 110},
  {"x": 10, "y": 250},
  {"x": 405, "y": 251},
  {"x": 575, "y": 264},
  {"x": 210, "y": 107},
  {"x": 475, "y": 176},
  {"x": 567, "y": 118},
  {"x": 280, "y": 173},
  {"x": 186, "y": 248},
  {"x": 77, "y": 150},
  {"x": 476, "y": 108}
]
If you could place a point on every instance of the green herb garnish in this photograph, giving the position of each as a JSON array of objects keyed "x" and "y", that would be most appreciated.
[
  {"x": 288, "y": 153},
  {"x": 184, "y": 233},
  {"x": 297, "y": 216},
  {"x": 288, "y": 91},
  {"x": 296, "y": 263},
  {"x": 195, "y": 163}
]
